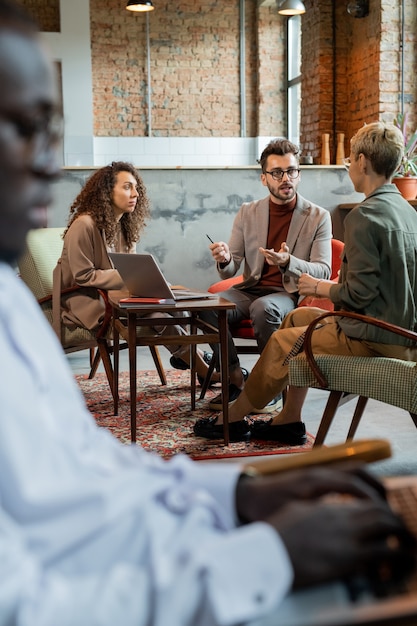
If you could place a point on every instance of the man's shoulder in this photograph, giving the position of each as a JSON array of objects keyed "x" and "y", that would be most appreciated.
[
  {"x": 254, "y": 204},
  {"x": 306, "y": 205}
]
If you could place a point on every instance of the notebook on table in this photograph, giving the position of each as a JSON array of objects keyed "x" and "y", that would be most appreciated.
[{"x": 144, "y": 280}]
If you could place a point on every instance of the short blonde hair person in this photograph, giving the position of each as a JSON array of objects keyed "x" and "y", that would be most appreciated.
[{"x": 382, "y": 144}]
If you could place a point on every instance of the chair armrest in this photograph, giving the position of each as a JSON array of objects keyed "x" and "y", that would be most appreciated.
[
  {"x": 398, "y": 330},
  {"x": 63, "y": 293},
  {"x": 224, "y": 284},
  {"x": 58, "y": 292},
  {"x": 108, "y": 313}
]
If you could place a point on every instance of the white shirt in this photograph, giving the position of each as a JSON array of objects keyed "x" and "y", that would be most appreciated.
[{"x": 96, "y": 532}]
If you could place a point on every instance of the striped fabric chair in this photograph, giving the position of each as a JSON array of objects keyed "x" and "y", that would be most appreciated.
[{"x": 388, "y": 380}]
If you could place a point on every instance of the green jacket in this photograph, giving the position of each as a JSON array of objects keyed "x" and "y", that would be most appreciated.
[{"x": 379, "y": 267}]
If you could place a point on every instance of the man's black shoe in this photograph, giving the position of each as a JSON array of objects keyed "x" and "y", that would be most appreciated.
[
  {"x": 179, "y": 364},
  {"x": 293, "y": 434},
  {"x": 206, "y": 427},
  {"x": 234, "y": 392}
]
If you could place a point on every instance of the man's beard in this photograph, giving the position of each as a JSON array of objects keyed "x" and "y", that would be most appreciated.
[{"x": 283, "y": 198}]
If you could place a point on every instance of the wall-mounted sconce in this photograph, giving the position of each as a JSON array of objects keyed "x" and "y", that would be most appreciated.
[
  {"x": 358, "y": 8},
  {"x": 136, "y": 5},
  {"x": 290, "y": 7}
]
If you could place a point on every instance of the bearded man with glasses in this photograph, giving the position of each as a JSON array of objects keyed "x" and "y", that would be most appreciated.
[{"x": 275, "y": 240}]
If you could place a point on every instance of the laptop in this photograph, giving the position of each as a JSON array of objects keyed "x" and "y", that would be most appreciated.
[
  {"x": 143, "y": 278},
  {"x": 337, "y": 604}
]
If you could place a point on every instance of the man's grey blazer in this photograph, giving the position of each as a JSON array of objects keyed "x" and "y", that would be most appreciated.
[{"x": 309, "y": 241}]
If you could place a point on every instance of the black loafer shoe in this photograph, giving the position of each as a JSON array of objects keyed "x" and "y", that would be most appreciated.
[
  {"x": 206, "y": 427},
  {"x": 234, "y": 392},
  {"x": 293, "y": 434},
  {"x": 179, "y": 364}
]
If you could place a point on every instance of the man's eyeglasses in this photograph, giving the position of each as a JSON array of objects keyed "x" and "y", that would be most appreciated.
[
  {"x": 346, "y": 163},
  {"x": 278, "y": 175}
]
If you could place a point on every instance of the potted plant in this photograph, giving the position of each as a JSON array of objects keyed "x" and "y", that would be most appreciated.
[{"x": 406, "y": 176}]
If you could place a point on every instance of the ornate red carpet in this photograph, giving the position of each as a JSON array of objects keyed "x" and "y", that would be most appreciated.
[{"x": 165, "y": 420}]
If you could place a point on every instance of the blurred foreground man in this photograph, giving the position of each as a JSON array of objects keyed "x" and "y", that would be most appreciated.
[{"x": 96, "y": 532}]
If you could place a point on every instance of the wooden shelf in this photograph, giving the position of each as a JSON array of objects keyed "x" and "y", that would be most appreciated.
[{"x": 350, "y": 205}]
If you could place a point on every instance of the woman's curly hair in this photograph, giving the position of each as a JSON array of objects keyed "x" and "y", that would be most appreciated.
[{"x": 95, "y": 199}]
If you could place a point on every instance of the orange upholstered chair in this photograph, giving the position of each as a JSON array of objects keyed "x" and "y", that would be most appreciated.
[{"x": 244, "y": 330}]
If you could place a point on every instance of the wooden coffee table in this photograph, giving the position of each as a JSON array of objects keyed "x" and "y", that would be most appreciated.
[{"x": 127, "y": 321}]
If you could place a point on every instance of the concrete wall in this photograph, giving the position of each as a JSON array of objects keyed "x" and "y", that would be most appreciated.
[{"x": 188, "y": 203}]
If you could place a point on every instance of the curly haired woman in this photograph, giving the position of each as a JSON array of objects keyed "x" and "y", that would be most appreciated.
[{"x": 108, "y": 215}]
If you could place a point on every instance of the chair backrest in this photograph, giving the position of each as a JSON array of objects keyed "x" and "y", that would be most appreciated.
[
  {"x": 36, "y": 266},
  {"x": 222, "y": 285},
  {"x": 337, "y": 249}
]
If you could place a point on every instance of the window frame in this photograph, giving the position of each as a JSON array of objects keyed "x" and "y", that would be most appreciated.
[{"x": 293, "y": 78}]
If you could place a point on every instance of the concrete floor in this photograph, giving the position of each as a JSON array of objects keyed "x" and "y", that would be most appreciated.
[{"x": 379, "y": 420}]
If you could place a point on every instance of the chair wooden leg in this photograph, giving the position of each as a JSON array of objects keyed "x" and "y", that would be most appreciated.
[
  {"x": 414, "y": 418},
  {"x": 94, "y": 362},
  {"x": 105, "y": 356},
  {"x": 327, "y": 417},
  {"x": 359, "y": 409},
  {"x": 158, "y": 364},
  {"x": 207, "y": 379}
]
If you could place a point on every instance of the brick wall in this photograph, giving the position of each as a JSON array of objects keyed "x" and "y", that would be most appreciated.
[
  {"x": 348, "y": 79},
  {"x": 270, "y": 101},
  {"x": 46, "y": 13},
  {"x": 317, "y": 71},
  {"x": 362, "y": 71}
]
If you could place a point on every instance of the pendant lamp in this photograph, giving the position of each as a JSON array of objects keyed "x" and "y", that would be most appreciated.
[
  {"x": 291, "y": 7},
  {"x": 140, "y": 5}
]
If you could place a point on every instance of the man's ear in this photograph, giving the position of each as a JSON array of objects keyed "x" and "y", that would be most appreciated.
[{"x": 263, "y": 179}]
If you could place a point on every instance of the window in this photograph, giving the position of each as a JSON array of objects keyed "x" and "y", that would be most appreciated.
[{"x": 294, "y": 78}]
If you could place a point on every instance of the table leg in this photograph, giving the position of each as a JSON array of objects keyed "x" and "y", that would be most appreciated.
[
  {"x": 116, "y": 353},
  {"x": 224, "y": 369},
  {"x": 131, "y": 328},
  {"x": 193, "y": 354}
]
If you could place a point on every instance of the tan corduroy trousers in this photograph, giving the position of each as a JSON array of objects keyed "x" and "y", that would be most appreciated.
[{"x": 270, "y": 374}]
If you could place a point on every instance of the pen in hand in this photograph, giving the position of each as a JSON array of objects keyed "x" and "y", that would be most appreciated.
[{"x": 209, "y": 238}]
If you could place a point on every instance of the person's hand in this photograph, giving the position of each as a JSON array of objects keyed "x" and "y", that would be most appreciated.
[
  {"x": 281, "y": 258},
  {"x": 333, "y": 520},
  {"x": 307, "y": 285},
  {"x": 220, "y": 252},
  {"x": 347, "y": 539},
  {"x": 259, "y": 497}
]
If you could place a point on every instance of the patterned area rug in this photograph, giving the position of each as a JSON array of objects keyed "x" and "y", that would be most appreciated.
[{"x": 165, "y": 420}]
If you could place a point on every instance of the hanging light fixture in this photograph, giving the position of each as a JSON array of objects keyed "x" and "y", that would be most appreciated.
[
  {"x": 291, "y": 7},
  {"x": 140, "y": 5}
]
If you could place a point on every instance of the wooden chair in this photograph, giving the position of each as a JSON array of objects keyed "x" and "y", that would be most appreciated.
[
  {"x": 40, "y": 270},
  {"x": 244, "y": 329},
  {"x": 388, "y": 380}
]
